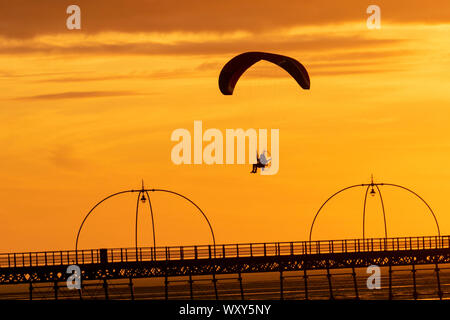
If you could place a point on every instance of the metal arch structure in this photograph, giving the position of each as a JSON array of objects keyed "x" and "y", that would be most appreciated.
[
  {"x": 382, "y": 207},
  {"x": 137, "y": 215},
  {"x": 377, "y": 186},
  {"x": 326, "y": 201},
  {"x": 140, "y": 192}
]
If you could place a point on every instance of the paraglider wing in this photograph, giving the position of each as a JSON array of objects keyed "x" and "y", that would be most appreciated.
[{"x": 234, "y": 69}]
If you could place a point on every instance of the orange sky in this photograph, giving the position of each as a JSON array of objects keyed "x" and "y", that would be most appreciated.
[{"x": 89, "y": 113}]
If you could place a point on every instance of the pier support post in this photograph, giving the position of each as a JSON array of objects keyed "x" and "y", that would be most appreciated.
[
  {"x": 166, "y": 287},
  {"x": 80, "y": 293},
  {"x": 55, "y": 287},
  {"x": 191, "y": 288},
  {"x": 214, "y": 280},
  {"x": 240, "y": 285},
  {"x": 105, "y": 287},
  {"x": 390, "y": 283},
  {"x": 415, "y": 294},
  {"x": 281, "y": 284},
  {"x": 330, "y": 285},
  {"x": 355, "y": 283},
  {"x": 440, "y": 293},
  {"x": 130, "y": 284},
  {"x": 305, "y": 278},
  {"x": 31, "y": 291}
]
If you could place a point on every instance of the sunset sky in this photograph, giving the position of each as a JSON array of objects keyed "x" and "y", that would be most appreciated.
[{"x": 86, "y": 113}]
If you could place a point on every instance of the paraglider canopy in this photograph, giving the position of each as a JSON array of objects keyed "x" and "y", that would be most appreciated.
[{"x": 234, "y": 69}]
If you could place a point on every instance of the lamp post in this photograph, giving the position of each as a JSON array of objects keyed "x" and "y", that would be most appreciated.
[
  {"x": 142, "y": 197},
  {"x": 372, "y": 185}
]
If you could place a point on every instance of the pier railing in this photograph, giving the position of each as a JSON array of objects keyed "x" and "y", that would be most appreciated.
[{"x": 56, "y": 258}]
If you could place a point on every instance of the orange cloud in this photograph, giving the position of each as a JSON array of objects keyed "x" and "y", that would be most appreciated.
[
  {"x": 23, "y": 18},
  {"x": 293, "y": 43},
  {"x": 77, "y": 95}
]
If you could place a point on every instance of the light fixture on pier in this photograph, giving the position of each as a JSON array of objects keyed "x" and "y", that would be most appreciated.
[
  {"x": 143, "y": 199},
  {"x": 372, "y": 192}
]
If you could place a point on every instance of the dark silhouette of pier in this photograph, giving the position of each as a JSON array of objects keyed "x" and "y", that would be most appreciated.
[
  {"x": 232, "y": 259},
  {"x": 213, "y": 260}
]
